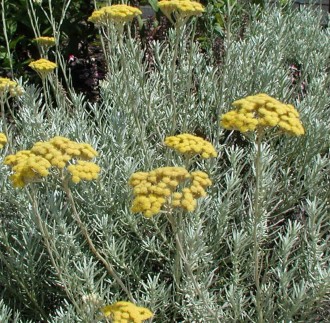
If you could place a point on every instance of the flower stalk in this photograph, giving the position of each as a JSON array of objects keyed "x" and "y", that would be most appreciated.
[
  {"x": 256, "y": 222},
  {"x": 110, "y": 269}
]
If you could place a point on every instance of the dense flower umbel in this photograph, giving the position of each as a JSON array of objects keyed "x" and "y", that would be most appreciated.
[
  {"x": 43, "y": 66},
  {"x": 126, "y": 312},
  {"x": 7, "y": 85},
  {"x": 27, "y": 167},
  {"x": 3, "y": 140},
  {"x": 261, "y": 110},
  {"x": 155, "y": 188},
  {"x": 191, "y": 145},
  {"x": 44, "y": 41},
  {"x": 180, "y": 9},
  {"x": 57, "y": 152},
  {"x": 117, "y": 14}
]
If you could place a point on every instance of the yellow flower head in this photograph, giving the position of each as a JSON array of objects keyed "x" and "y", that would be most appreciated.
[
  {"x": 191, "y": 145},
  {"x": 117, "y": 14},
  {"x": 155, "y": 188},
  {"x": 27, "y": 167},
  {"x": 83, "y": 170},
  {"x": 60, "y": 150},
  {"x": 263, "y": 111},
  {"x": 45, "y": 42},
  {"x": 7, "y": 85},
  {"x": 3, "y": 140},
  {"x": 180, "y": 9},
  {"x": 43, "y": 66},
  {"x": 126, "y": 312}
]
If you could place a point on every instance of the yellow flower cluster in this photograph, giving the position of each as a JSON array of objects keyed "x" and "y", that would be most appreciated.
[
  {"x": 180, "y": 8},
  {"x": 59, "y": 150},
  {"x": 118, "y": 14},
  {"x": 43, "y": 66},
  {"x": 126, "y": 312},
  {"x": 44, "y": 41},
  {"x": 83, "y": 170},
  {"x": 262, "y": 110},
  {"x": 155, "y": 188},
  {"x": 7, "y": 85},
  {"x": 3, "y": 140},
  {"x": 56, "y": 152},
  {"x": 188, "y": 198},
  {"x": 27, "y": 167},
  {"x": 191, "y": 145}
]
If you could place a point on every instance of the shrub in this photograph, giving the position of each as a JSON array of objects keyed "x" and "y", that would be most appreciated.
[{"x": 254, "y": 246}]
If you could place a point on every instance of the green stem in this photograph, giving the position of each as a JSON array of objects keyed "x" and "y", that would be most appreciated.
[
  {"x": 225, "y": 67},
  {"x": 45, "y": 89},
  {"x": 110, "y": 269},
  {"x": 189, "y": 95},
  {"x": 178, "y": 30},
  {"x": 3, "y": 115},
  {"x": 3, "y": 10},
  {"x": 180, "y": 255},
  {"x": 256, "y": 223}
]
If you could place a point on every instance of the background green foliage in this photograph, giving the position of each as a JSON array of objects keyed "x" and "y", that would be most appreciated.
[
  {"x": 127, "y": 126},
  {"x": 75, "y": 32}
]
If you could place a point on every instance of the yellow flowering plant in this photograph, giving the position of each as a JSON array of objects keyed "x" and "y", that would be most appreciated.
[{"x": 255, "y": 114}]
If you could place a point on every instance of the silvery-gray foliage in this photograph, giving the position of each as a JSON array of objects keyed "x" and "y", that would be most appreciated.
[{"x": 137, "y": 109}]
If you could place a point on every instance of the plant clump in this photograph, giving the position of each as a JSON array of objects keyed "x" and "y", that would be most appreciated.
[
  {"x": 126, "y": 312},
  {"x": 188, "y": 144},
  {"x": 260, "y": 111},
  {"x": 155, "y": 188}
]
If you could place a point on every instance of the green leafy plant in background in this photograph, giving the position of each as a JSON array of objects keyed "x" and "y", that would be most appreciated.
[
  {"x": 17, "y": 28},
  {"x": 253, "y": 247}
]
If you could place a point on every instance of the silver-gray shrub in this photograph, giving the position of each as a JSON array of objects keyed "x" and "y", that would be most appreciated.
[{"x": 128, "y": 126}]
